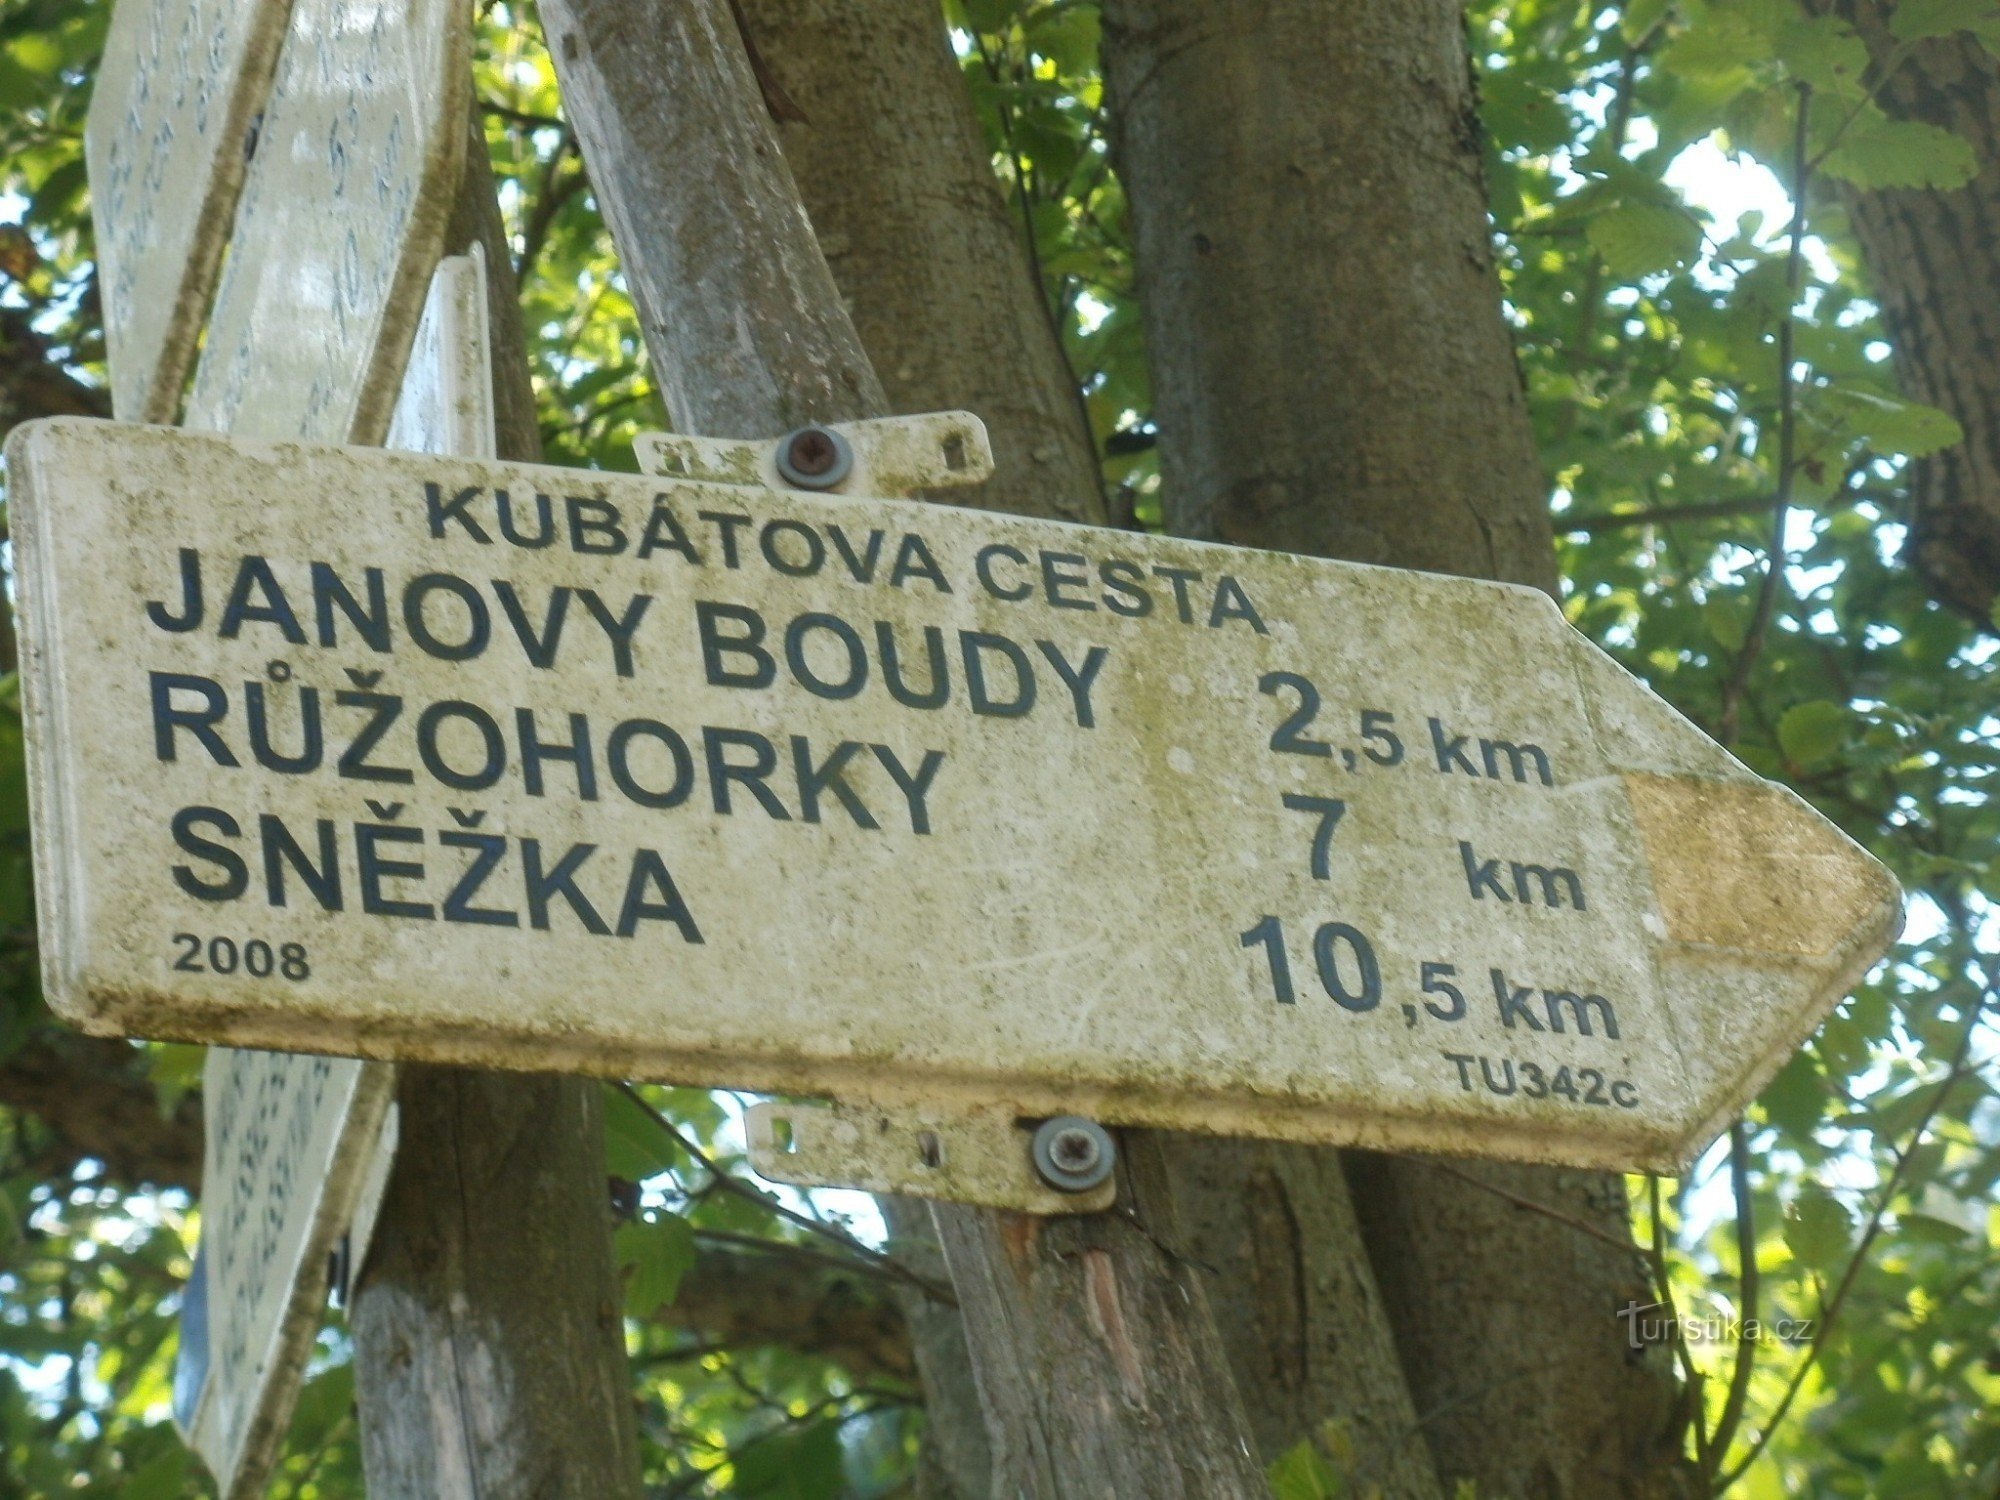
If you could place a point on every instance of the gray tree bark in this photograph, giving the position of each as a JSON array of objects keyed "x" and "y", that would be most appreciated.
[
  {"x": 1307, "y": 1328},
  {"x": 896, "y": 175},
  {"x": 1933, "y": 258},
  {"x": 1095, "y": 1354},
  {"x": 1332, "y": 374},
  {"x": 489, "y": 1336}
]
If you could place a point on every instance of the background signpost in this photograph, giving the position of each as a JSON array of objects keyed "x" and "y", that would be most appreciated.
[
  {"x": 508, "y": 765},
  {"x": 341, "y": 220},
  {"x": 298, "y": 1147},
  {"x": 171, "y": 127},
  {"x": 335, "y": 236}
]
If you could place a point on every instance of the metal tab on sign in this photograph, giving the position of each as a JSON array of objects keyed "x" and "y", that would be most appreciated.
[
  {"x": 965, "y": 1156},
  {"x": 891, "y": 456}
]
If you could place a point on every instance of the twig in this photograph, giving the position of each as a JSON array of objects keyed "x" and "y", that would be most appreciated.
[
  {"x": 1590, "y": 300},
  {"x": 598, "y": 413},
  {"x": 1023, "y": 195},
  {"x": 868, "y": 1402},
  {"x": 1883, "y": 74},
  {"x": 1746, "y": 1279},
  {"x": 740, "y": 1189},
  {"x": 549, "y": 200},
  {"x": 1704, "y": 511},
  {"x": 1781, "y": 506},
  {"x": 790, "y": 1251},
  {"x": 1663, "y": 1285},
  {"x": 680, "y": 1354},
  {"x": 1545, "y": 1210},
  {"x": 1830, "y": 1307},
  {"x": 521, "y": 116}
]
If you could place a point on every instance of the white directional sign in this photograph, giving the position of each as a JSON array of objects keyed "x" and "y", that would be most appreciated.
[
  {"x": 446, "y": 403},
  {"x": 340, "y": 222},
  {"x": 171, "y": 124},
  {"x": 280, "y": 1174},
  {"x": 295, "y": 1147},
  {"x": 424, "y": 758}
]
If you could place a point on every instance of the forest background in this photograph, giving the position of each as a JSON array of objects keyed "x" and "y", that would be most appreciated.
[{"x": 1743, "y": 248}]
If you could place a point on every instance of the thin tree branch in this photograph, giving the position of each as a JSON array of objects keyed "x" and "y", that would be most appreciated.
[
  {"x": 1706, "y": 510},
  {"x": 1022, "y": 196},
  {"x": 1781, "y": 507},
  {"x": 1883, "y": 74},
  {"x": 1961, "y": 1064},
  {"x": 1529, "y": 1205},
  {"x": 734, "y": 1186},
  {"x": 1746, "y": 1277},
  {"x": 786, "y": 1249},
  {"x": 1657, "y": 1255},
  {"x": 521, "y": 116},
  {"x": 1590, "y": 301},
  {"x": 555, "y": 190}
]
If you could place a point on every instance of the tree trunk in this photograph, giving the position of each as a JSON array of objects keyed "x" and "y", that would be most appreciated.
[
  {"x": 897, "y": 178},
  {"x": 1273, "y": 1227},
  {"x": 1332, "y": 374},
  {"x": 489, "y": 1338},
  {"x": 1933, "y": 258},
  {"x": 749, "y": 336}
]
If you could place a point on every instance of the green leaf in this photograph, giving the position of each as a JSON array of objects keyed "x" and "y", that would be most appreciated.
[
  {"x": 1716, "y": 46},
  {"x": 1889, "y": 422},
  {"x": 1914, "y": 20},
  {"x": 1301, "y": 1473},
  {"x": 37, "y": 51},
  {"x": 325, "y": 1401},
  {"x": 1520, "y": 112},
  {"x": 635, "y": 1147},
  {"x": 1795, "y": 1099},
  {"x": 988, "y": 16},
  {"x": 1878, "y": 152},
  {"x": 791, "y": 1465},
  {"x": 1812, "y": 732},
  {"x": 1824, "y": 53},
  {"x": 161, "y": 1477},
  {"x": 175, "y": 1067},
  {"x": 1726, "y": 618},
  {"x": 1817, "y": 1227},
  {"x": 1639, "y": 17},
  {"x": 1637, "y": 239},
  {"x": 1066, "y": 35},
  {"x": 653, "y": 1255}
]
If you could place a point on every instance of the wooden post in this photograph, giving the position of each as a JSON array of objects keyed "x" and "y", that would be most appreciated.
[
  {"x": 1097, "y": 1360},
  {"x": 489, "y": 1322}
]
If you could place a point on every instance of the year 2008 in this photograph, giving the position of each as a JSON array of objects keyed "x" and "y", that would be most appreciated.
[{"x": 195, "y": 954}]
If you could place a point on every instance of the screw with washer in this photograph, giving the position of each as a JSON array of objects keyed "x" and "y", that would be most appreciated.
[
  {"x": 1072, "y": 1154},
  {"x": 814, "y": 458}
]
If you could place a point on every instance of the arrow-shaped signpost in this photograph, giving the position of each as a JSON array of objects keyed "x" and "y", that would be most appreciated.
[
  {"x": 359, "y": 113},
  {"x": 909, "y": 807}
]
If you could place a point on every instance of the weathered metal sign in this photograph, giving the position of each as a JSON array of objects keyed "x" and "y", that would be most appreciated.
[
  {"x": 340, "y": 222},
  {"x": 297, "y": 1147},
  {"x": 424, "y": 758},
  {"x": 172, "y": 122},
  {"x": 281, "y": 1170}
]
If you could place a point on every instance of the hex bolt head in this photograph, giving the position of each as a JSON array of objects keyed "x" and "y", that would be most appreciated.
[
  {"x": 1072, "y": 1154},
  {"x": 814, "y": 458}
]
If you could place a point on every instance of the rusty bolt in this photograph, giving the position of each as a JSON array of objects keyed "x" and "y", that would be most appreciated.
[
  {"x": 1072, "y": 1154},
  {"x": 814, "y": 458}
]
